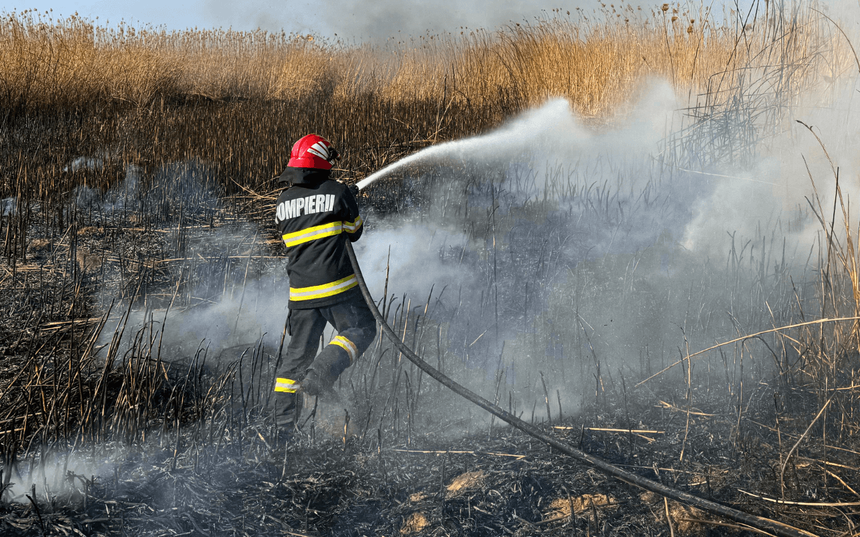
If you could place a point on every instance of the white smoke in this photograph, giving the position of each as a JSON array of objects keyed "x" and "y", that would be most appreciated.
[
  {"x": 353, "y": 20},
  {"x": 551, "y": 134},
  {"x": 494, "y": 282},
  {"x": 59, "y": 473},
  {"x": 233, "y": 296},
  {"x": 776, "y": 193},
  {"x": 693, "y": 216},
  {"x": 414, "y": 265}
]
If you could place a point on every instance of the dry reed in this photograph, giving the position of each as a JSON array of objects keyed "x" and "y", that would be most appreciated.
[{"x": 594, "y": 59}]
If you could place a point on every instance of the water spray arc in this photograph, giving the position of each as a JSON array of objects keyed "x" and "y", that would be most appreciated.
[
  {"x": 760, "y": 523},
  {"x": 447, "y": 148},
  {"x": 536, "y": 124}
]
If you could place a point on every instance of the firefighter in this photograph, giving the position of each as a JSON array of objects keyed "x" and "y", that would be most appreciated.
[{"x": 315, "y": 216}]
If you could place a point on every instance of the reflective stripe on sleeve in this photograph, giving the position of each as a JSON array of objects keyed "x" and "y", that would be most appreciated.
[
  {"x": 346, "y": 345},
  {"x": 286, "y": 385},
  {"x": 352, "y": 227},
  {"x": 313, "y": 233},
  {"x": 325, "y": 290}
]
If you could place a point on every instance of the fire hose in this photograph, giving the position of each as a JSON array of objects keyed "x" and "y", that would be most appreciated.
[{"x": 757, "y": 522}]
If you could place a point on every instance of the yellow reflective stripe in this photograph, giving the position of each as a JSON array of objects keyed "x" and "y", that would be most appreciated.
[
  {"x": 313, "y": 233},
  {"x": 286, "y": 385},
  {"x": 322, "y": 291},
  {"x": 352, "y": 227},
  {"x": 346, "y": 345}
]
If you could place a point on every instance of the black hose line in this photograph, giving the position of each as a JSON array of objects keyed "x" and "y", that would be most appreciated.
[{"x": 764, "y": 524}]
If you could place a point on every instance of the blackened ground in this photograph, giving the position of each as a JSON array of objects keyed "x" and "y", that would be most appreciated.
[
  {"x": 500, "y": 482},
  {"x": 234, "y": 474}
]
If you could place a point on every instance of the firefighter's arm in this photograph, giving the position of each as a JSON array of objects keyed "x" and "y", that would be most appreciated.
[
  {"x": 353, "y": 189},
  {"x": 352, "y": 222}
]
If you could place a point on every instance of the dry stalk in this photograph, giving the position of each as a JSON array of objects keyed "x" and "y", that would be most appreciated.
[
  {"x": 799, "y": 440},
  {"x": 749, "y": 336}
]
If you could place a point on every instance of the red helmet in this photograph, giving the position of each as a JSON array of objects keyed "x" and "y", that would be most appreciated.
[{"x": 312, "y": 151}]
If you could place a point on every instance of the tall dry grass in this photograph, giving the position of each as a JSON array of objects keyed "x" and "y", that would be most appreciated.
[
  {"x": 238, "y": 99},
  {"x": 69, "y": 87},
  {"x": 595, "y": 60}
]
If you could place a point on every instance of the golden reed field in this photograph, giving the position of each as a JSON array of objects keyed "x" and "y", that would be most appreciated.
[{"x": 238, "y": 98}]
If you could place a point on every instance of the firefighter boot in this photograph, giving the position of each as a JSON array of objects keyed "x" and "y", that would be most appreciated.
[
  {"x": 326, "y": 368},
  {"x": 318, "y": 385},
  {"x": 288, "y": 409}
]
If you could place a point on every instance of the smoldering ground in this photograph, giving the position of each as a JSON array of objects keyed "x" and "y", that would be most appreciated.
[{"x": 541, "y": 262}]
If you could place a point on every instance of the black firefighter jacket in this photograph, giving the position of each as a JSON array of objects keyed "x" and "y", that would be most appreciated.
[{"x": 315, "y": 216}]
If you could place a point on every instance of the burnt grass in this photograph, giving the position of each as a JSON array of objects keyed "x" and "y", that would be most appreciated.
[
  {"x": 199, "y": 461},
  {"x": 497, "y": 483}
]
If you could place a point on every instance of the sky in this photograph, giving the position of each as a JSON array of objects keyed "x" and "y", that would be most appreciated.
[{"x": 351, "y": 20}]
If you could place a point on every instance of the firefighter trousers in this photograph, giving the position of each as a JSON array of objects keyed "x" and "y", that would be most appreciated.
[{"x": 356, "y": 329}]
